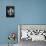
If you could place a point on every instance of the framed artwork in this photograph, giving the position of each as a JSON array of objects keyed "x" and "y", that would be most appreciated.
[
  {"x": 32, "y": 32},
  {"x": 10, "y": 11}
]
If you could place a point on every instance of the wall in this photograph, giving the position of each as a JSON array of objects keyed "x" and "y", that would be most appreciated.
[
  {"x": 31, "y": 11},
  {"x": 26, "y": 12}
]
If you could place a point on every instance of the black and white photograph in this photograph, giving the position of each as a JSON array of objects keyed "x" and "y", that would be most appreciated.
[{"x": 10, "y": 11}]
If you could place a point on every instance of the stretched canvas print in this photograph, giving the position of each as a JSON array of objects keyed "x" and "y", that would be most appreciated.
[{"x": 10, "y": 11}]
